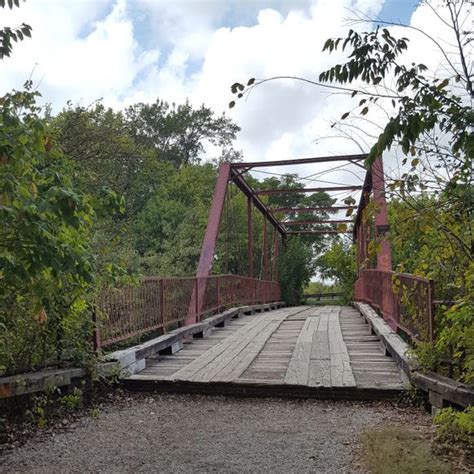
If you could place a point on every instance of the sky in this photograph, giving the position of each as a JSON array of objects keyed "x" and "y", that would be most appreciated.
[{"x": 127, "y": 51}]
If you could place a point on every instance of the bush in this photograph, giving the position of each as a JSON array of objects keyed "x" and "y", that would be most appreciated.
[
  {"x": 47, "y": 271},
  {"x": 456, "y": 426}
]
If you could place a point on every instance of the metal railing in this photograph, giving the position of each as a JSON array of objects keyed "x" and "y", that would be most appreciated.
[
  {"x": 404, "y": 301},
  {"x": 160, "y": 303}
]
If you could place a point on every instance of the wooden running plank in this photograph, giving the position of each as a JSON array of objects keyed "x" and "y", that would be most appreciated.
[
  {"x": 298, "y": 368},
  {"x": 320, "y": 365},
  {"x": 341, "y": 371},
  {"x": 221, "y": 357}
]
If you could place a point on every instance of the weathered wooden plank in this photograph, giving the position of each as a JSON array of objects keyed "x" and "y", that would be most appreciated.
[
  {"x": 202, "y": 363},
  {"x": 240, "y": 363},
  {"x": 298, "y": 368},
  {"x": 341, "y": 371},
  {"x": 320, "y": 366},
  {"x": 228, "y": 356}
]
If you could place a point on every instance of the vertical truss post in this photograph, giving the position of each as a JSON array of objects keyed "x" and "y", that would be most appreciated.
[
  {"x": 249, "y": 237},
  {"x": 384, "y": 256},
  {"x": 265, "y": 250},
  {"x": 209, "y": 243},
  {"x": 276, "y": 247}
]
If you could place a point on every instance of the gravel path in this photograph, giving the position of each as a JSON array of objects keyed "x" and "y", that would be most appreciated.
[{"x": 186, "y": 433}]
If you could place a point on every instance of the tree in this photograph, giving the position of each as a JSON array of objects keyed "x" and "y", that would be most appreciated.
[
  {"x": 178, "y": 133},
  {"x": 338, "y": 263},
  {"x": 97, "y": 140},
  {"x": 48, "y": 271}
]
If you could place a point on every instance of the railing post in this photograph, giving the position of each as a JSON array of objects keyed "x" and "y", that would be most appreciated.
[
  {"x": 196, "y": 302},
  {"x": 431, "y": 310},
  {"x": 95, "y": 331},
  {"x": 249, "y": 238},
  {"x": 162, "y": 302},
  {"x": 218, "y": 294}
]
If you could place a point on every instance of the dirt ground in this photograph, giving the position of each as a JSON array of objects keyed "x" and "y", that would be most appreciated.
[{"x": 188, "y": 433}]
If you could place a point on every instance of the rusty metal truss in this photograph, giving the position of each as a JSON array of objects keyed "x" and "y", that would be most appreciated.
[{"x": 233, "y": 173}]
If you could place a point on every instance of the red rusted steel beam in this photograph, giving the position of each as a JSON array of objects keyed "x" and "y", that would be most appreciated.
[
  {"x": 268, "y": 192},
  {"x": 249, "y": 238},
  {"x": 364, "y": 199},
  {"x": 249, "y": 192},
  {"x": 299, "y": 161},
  {"x": 210, "y": 238},
  {"x": 384, "y": 256},
  {"x": 265, "y": 250},
  {"x": 336, "y": 221},
  {"x": 311, "y": 209},
  {"x": 320, "y": 231},
  {"x": 275, "y": 256}
]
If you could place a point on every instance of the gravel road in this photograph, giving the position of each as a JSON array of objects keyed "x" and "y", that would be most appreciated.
[{"x": 186, "y": 433}]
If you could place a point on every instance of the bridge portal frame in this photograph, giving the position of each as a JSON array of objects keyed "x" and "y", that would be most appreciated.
[{"x": 233, "y": 173}]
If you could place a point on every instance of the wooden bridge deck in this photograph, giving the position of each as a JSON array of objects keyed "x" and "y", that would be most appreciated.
[{"x": 325, "y": 352}]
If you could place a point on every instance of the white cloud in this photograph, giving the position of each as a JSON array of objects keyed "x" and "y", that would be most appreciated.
[
  {"x": 128, "y": 51},
  {"x": 67, "y": 64}
]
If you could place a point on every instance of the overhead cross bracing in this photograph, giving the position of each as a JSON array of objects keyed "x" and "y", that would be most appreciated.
[{"x": 280, "y": 214}]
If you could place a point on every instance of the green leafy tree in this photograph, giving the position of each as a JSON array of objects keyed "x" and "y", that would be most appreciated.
[
  {"x": 338, "y": 264},
  {"x": 296, "y": 267},
  {"x": 178, "y": 133},
  {"x": 47, "y": 269}
]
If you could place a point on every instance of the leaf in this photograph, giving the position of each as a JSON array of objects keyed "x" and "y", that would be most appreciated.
[
  {"x": 344, "y": 116},
  {"x": 349, "y": 212},
  {"x": 251, "y": 81},
  {"x": 415, "y": 161},
  {"x": 353, "y": 93},
  {"x": 442, "y": 84},
  {"x": 364, "y": 111},
  {"x": 231, "y": 104}
]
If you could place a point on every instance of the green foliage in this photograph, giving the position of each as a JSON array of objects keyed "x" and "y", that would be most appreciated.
[
  {"x": 47, "y": 269},
  {"x": 149, "y": 154},
  {"x": 52, "y": 404},
  {"x": 72, "y": 400},
  {"x": 455, "y": 425},
  {"x": 8, "y": 34},
  {"x": 375, "y": 56},
  {"x": 170, "y": 229},
  {"x": 296, "y": 267},
  {"x": 338, "y": 263},
  {"x": 422, "y": 235},
  {"x": 315, "y": 287},
  {"x": 177, "y": 133}
]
